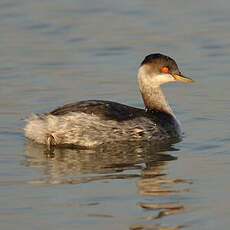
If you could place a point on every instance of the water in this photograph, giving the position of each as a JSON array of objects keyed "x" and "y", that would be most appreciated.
[{"x": 54, "y": 52}]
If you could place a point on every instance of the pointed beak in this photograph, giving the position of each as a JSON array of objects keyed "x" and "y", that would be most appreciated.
[{"x": 182, "y": 78}]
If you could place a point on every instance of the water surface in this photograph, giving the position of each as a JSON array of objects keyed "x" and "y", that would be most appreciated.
[{"x": 55, "y": 52}]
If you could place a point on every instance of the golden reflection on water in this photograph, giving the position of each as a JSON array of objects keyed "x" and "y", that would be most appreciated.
[{"x": 143, "y": 161}]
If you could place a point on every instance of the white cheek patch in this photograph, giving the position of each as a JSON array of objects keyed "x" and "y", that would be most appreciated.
[
  {"x": 146, "y": 80},
  {"x": 163, "y": 78}
]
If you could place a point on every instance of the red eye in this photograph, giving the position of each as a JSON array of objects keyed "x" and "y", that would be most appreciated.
[{"x": 165, "y": 69}]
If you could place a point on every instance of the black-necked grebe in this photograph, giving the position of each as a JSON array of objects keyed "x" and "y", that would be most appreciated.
[{"x": 95, "y": 122}]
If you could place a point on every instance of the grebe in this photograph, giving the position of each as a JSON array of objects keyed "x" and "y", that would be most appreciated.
[{"x": 95, "y": 122}]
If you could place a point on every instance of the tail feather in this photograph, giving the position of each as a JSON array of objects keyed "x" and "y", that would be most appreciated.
[{"x": 36, "y": 129}]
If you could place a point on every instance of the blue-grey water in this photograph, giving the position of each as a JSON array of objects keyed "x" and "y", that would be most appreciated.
[{"x": 54, "y": 52}]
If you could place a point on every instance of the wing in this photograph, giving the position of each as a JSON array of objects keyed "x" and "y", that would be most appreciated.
[{"x": 106, "y": 110}]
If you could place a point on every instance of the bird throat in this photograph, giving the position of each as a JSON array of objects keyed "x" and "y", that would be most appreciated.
[{"x": 154, "y": 99}]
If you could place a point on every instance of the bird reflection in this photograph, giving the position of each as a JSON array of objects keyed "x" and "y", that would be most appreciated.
[
  {"x": 63, "y": 162},
  {"x": 143, "y": 161}
]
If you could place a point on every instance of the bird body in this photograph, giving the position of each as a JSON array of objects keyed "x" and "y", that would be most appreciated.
[{"x": 95, "y": 122}]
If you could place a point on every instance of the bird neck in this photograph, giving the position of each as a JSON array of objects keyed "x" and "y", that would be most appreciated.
[
  {"x": 154, "y": 99},
  {"x": 152, "y": 94}
]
